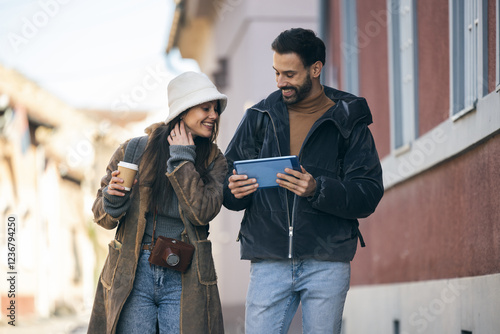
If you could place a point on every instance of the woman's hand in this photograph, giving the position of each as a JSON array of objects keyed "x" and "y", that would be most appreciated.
[
  {"x": 180, "y": 136},
  {"x": 114, "y": 187}
]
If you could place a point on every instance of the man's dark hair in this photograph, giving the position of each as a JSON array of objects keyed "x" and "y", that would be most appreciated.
[{"x": 303, "y": 42}]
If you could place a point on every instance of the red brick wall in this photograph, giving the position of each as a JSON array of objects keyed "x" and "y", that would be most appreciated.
[
  {"x": 433, "y": 63},
  {"x": 374, "y": 68},
  {"x": 441, "y": 224}
]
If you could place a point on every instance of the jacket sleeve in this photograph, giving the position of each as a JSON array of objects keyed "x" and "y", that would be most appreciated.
[
  {"x": 107, "y": 210},
  {"x": 200, "y": 201},
  {"x": 359, "y": 193},
  {"x": 241, "y": 147}
]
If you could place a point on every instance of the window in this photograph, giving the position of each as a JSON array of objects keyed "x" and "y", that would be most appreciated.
[
  {"x": 403, "y": 71},
  {"x": 349, "y": 47},
  {"x": 469, "y": 72}
]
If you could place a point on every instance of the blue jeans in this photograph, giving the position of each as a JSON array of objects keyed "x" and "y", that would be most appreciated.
[
  {"x": 156, "y": 296},
  {"x": 278, "y": 286}
]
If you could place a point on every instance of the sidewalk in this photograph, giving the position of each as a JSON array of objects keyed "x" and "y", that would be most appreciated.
[{"x": 74, "y": 324}]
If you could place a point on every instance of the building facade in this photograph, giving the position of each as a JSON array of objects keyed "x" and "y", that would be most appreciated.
[
  {"x": 431, "y": 75},
  {"x": 52, "y": 157}
]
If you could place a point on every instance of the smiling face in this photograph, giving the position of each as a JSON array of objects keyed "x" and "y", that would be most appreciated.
[
  {"x": 292, "y": 77},
  {"x": 202, "y": 119},
  {"x": 295, "y": 80}
]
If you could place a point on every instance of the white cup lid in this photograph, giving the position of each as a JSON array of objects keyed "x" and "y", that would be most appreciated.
[{"x": 128, "y": 165}]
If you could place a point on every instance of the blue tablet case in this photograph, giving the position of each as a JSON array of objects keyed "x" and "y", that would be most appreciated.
[{"x": 265, "y": 170}]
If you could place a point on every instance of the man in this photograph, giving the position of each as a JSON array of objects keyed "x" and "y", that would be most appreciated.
[{"x": 302, "y": 235}]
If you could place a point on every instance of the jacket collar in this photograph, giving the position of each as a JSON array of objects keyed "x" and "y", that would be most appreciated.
[{"x": 345, "y": 114}]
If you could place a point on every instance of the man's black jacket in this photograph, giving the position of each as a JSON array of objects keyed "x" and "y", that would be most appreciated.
[{"x": 324, "y": 226}]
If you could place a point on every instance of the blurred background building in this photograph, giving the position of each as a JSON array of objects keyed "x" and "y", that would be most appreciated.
[
  {"x": 51, "y": 159},
  {"x": 429, "y": 70}
]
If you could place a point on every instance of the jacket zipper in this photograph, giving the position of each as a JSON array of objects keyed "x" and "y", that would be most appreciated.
[
  {"x": 290, "y": 221},
  {"x": 290, "y": 227}
]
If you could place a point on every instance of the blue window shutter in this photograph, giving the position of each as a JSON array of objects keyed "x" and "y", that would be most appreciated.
[
  {"x": 349, "y": 47},
  {"x": 404, "y": 71}
]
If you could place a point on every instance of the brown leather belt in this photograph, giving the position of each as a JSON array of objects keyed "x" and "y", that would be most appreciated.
[{"x": 146, "y": 246}]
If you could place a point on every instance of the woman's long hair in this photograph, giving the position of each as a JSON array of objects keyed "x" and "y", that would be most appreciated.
[{"x": 157, "y": 153}]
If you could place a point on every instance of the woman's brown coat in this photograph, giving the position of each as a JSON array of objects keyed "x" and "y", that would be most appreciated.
[{"x": 199, "y": 203}]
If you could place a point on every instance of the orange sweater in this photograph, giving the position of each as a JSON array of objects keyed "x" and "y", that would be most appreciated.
[{"x": 302, "y": 116}]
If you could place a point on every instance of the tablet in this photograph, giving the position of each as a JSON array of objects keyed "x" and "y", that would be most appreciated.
[{"x": 265, "y": 170}]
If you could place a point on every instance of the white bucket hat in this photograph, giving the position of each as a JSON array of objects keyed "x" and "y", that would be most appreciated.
[{"x": 190, "y": 89}]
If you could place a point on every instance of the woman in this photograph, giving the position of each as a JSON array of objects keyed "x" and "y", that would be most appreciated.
[{"x": 180, "y": 178}]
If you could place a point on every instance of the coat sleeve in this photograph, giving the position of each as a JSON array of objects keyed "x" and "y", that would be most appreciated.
[
  {"x": 200, "y": 201},
  {"x": 241, "y": 147},
  {"x": 359, "y": 193},
  {"x": 101, "y": 216}
]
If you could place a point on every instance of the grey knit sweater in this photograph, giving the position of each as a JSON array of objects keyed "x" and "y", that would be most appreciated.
[{"x": 169, "y": 223}]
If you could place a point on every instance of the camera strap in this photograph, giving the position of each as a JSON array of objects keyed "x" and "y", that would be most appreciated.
[{"x": 154, "y": 229}]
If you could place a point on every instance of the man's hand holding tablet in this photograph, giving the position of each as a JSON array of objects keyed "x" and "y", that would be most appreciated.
[{"x": 271, "y": 172}]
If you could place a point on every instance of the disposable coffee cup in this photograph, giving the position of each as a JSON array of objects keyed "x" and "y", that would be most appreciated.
[{"x": 127, "y": 173}]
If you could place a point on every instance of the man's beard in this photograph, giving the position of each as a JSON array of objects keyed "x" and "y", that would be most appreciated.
[{"x": 301, "y": 92}]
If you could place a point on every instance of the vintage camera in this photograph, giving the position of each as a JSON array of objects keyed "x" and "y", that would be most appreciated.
[{"x": 171, "y": 253}]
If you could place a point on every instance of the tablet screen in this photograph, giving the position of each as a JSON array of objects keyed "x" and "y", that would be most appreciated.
[{"x": 265, "y": 170}]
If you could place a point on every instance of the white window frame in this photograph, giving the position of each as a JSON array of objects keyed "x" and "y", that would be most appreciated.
[
  {"x": 403, "y": 73},
  {"x": 444, "y": 142},
  {"x": 468, "y": 76},
  {"x": 349, "y": 46}
]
